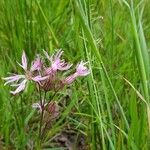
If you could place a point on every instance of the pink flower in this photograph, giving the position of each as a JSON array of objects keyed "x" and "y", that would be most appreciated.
[
  {"x": 81, "y": 70},
  {"x": 21, "y": 80},
  {"x": 36, "y": 64},
  {"x": 56, "y": 63}
]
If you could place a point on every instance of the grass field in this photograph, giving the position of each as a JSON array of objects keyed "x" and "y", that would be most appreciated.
[{"x": 107, "y": 110}]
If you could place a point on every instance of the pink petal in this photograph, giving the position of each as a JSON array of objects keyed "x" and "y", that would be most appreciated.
[
  {"x": 54, "y": 66},
  {"x": 81, "y": 69},
  {"x": 24, "y": 61},
  {"x": 39, "y": 78},
  {"x": 20, "y": 88},
  {"x": 13, "y": 78},
  {"x": 58, "y": 64},
  {"x": 36, "y": 65},
  {"x": 64, "y": 66}
]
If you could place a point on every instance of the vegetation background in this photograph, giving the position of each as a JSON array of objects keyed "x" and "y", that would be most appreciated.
[{"x": 109, "y": 109}]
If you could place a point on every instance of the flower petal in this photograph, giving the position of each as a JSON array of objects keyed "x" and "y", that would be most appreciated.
[
  {"x": 39, "y": 78},
  {"x": 81, "y": 69},
  {"x": 13, "y": 78},
  {"x": 64, "y": 66},
  {"x": 58, "y": 64},
  {"x": 36, "y": 64},
  {"x": 20, "y": 88},
  {"x": 24, "y": 61}
]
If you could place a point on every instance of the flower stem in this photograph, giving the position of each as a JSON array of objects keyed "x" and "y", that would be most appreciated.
[
  {"x": 42, "y": 109},
  {"x": 42, "y": 103}
]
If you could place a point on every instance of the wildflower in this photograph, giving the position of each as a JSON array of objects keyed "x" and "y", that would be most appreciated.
[
  {"x": 81, "y": 70},
  {"x": 53, "y": 82},
  {"x": 21, "y": 80},
  {"x": 56, "y": 63}
]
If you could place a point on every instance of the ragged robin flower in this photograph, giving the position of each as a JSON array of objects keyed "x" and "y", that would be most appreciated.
[
  {"x": 19, "y": 81},
  {"x": 47, "y": 77},
  {"x": 57, "y": 64},
  {"x": 81, "y": 70}
]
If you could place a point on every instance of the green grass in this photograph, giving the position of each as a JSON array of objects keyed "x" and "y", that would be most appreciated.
[{"x": 110, "y": 107}]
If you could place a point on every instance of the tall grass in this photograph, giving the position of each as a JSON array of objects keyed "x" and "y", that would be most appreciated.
[{"x": 107, "y": 107}]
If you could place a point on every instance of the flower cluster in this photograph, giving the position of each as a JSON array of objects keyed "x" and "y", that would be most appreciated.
[
  {"x": 48, "y": 78},
  {"x": 45, "y": 76}
]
